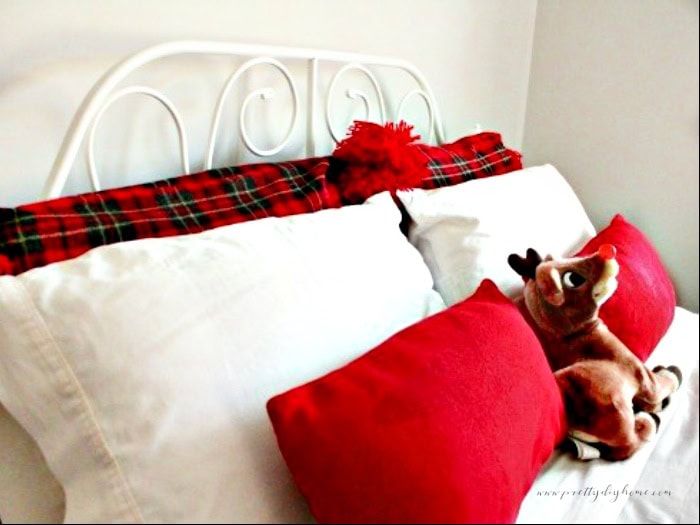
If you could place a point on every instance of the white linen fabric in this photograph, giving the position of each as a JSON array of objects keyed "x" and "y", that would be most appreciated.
[
  {"x": 466, "y": 232},
  {"x": 142, "y": 368},
  {"x": 29, "y": 493}
]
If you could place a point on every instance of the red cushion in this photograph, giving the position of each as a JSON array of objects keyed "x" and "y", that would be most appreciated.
[
  {"x": 642, "y": 308},
  {"x": 49, "y": 231},
  {"x": 448, "y": 421}
]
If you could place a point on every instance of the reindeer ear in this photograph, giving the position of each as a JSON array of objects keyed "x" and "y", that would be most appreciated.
[
  {"x": 549, "y": 285},
  {"x": 525, "y": 267}
]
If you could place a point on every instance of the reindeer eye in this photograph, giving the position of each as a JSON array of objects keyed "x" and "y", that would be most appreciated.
[{"x": 573, "y": 279}]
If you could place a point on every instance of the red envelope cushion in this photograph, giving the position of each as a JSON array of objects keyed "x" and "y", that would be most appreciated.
[
  {"x": 642, "y": 308},
  {"x": 448, "y": 421}
]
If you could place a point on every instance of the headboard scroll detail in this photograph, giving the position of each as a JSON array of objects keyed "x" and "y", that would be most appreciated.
[{"x": 113, "y": 86}]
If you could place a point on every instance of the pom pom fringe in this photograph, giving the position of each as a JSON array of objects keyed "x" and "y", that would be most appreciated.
[{"x": 379, "y": 158}]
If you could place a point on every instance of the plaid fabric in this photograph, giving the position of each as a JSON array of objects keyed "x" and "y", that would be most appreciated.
[
  {"x": 472, "y": 157},
  {"x": 37, "y": 234}
]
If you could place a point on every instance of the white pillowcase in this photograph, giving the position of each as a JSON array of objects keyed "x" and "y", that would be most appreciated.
[
  {"x": 142, "y": 369},
  {"x": 466, "y": 232},
  {"x": 29, "y": 493}
]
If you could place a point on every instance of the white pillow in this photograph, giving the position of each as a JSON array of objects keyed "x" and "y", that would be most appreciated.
[
  {"x": 142, "y": 369},
  {"x": 29, "y": 493},
  {"x": 466, "y": 232}
]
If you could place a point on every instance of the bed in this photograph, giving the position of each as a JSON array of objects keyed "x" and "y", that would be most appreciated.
[{"x": 307, "y": 315}]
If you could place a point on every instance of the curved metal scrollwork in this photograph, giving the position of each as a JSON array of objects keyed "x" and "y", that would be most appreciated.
[
  {"x": 354, "y": 94},
  {"x": 264, "y": 94},
  {"x": 431, "y": 110},
  {"x": 103, "y": 93},
  {"x": 140, "y": 90}
]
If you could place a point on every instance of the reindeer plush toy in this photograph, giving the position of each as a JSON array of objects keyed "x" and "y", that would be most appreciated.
[{"x": 611, "y": 398}]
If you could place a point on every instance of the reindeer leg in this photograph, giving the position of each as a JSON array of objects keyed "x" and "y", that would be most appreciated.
[
  {"x": 580, "y": 449},
  {"x": 644, "y": 427},
  {"x": 619, "y": 437},
  {"x": 599, "y": 409},
  {"x": 656, "y": 388}
]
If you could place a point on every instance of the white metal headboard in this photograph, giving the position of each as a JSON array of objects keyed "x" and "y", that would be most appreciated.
[{"x": 107, "y": 90}]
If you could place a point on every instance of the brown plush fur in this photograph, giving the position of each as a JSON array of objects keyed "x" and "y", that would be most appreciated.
[{"x": 609, "y": 394}]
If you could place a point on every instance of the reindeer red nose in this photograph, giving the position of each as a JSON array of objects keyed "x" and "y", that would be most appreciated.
[{"x": 607, "y": 251}]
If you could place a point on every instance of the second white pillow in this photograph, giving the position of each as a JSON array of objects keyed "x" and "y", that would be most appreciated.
[{"x": 466, "y": 232}]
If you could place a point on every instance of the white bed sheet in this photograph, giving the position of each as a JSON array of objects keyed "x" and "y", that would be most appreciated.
[{"x": 659, "y": 484}]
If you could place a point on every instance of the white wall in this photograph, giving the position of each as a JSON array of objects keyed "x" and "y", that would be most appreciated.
[
  {"x": 613, "y": 103},
  {"x": 475, "y": 53}
]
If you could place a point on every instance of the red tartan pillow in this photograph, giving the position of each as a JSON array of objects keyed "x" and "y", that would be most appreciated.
[
  {"x": 375, "y": 158},
  {"x": 448, "y": 421},
  {"x": 37, "y": 234},
  {"x": 472, "y": 157},
  {"x": 642, "y": 308}
]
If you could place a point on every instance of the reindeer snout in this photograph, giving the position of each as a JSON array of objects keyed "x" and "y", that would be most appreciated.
[{"x": 607, "y": 284}]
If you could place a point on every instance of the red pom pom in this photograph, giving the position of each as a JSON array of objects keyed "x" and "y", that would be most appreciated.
[{"x": 379, "y": 158}]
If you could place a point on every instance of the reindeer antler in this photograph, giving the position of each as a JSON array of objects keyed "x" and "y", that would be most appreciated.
[{"x": 525, "y": 266}]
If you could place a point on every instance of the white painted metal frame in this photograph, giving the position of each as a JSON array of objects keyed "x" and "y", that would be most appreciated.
[{"x": 106, "y": 91}]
